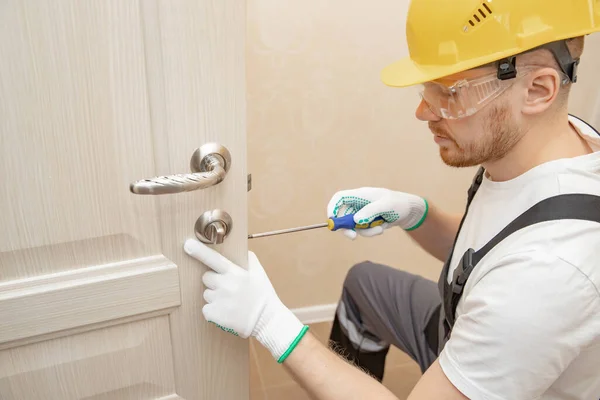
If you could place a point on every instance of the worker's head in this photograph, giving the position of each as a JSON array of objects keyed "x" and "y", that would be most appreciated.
[
  {"x": 477, "y": 117},
  {"x": 490, "y": 69}
]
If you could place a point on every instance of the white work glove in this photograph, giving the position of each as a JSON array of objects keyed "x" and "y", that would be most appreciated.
[
  {"x": 244, "y": 303},
  {"x": 405, "y": 210}
]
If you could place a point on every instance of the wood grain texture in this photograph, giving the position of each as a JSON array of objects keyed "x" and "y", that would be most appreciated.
[
  {"x": 64, "y": 300},
  {"x": 75, "y": 125},
  {"x": 127, "y": 362},
  {"x": 198, "y": 53},
  {"x": 68, "y": 256},
  {"x": 85, "y": 328},
  {"x": 95, "y": 95}
]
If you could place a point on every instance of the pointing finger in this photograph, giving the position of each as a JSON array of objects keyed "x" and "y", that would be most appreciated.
[{"x": 207, "y": 256}]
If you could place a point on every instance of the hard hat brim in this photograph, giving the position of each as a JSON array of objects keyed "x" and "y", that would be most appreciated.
[{"x": 406, "y": 72}]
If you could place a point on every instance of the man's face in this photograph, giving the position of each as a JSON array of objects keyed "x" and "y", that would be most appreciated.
[{"x": 487, "y": 135}]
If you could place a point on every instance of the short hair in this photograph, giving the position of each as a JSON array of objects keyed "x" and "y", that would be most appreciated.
[
  {"x": 544, "y": 57},
  {"x": 576, "y": 46}
]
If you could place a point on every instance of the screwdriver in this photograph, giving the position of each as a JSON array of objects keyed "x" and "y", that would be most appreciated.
[{"x": 345, "y": 222}]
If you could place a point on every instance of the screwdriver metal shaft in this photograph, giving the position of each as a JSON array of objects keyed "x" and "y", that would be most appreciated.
[{"x": 282, "y": 231}]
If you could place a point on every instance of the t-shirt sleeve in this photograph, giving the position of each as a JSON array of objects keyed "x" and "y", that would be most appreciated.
[{"x": 519, "y": 327}]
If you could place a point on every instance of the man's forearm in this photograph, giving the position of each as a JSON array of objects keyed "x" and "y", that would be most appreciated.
[
  {"x": 437, "y": 232},
  {"x": 326, "y": 376}
]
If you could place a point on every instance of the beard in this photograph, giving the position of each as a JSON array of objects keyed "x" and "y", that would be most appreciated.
[{"x": 499, "y": 136}]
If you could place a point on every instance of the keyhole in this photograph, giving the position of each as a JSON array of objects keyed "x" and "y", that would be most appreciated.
[{"x": 213, "y": 227}]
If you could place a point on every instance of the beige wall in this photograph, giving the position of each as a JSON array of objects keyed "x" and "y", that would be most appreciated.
[{"x": 320, "y": 120}]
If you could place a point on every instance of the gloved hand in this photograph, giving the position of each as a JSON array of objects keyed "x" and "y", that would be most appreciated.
[
  {"x": 244, "y": 303},
  {"x": 397, "y": 209}
]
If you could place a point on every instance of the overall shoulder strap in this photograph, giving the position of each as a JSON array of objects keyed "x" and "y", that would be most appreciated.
[
  {"x": 581, "y": 120},
  {"x": 477, "y": 179},
  {"x": 568, "y": 206},
  {"x": 444, "y": 288}
]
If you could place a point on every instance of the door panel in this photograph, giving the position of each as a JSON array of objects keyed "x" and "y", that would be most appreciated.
[
  {"x": 138, "y": 355},
  {"x": 97, "y": 298},
  {"x": 50, "y": 303},
  {"x": 75, "y": 123}
]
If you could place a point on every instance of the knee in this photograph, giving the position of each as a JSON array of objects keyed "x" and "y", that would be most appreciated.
[{"x": 358, "y": 274}]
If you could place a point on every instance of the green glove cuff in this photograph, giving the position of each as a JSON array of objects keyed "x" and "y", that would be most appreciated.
[
  {"x": 412, "y": 228},
  {"x": 293, "y": 344}
]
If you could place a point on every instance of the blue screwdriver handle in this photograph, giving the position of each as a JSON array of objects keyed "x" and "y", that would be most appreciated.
[{"x": 347, "y": 222}]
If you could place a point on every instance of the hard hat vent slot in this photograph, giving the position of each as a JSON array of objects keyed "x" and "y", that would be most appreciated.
[{"x": 479, "y": 15}]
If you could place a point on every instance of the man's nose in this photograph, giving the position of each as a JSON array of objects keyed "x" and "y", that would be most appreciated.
[{"x": 424, "y": 113}]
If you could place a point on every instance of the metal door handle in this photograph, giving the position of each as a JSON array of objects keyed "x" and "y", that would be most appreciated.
[{"x": 209, "y": 165}]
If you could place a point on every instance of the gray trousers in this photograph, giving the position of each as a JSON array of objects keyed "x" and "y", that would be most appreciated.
[{"x": 382, "y": 306}]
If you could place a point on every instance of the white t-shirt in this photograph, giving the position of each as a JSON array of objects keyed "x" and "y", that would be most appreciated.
[{"x": 528, "y": 323}]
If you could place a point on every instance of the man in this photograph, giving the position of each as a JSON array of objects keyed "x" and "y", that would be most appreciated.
[{"x": 526, "y": 323}]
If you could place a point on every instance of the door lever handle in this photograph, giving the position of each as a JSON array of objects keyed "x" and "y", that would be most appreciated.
[{"x": 209, "y": 164}]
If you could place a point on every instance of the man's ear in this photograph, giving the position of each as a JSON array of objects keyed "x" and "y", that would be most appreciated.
[{"x": 543, "y": 87}]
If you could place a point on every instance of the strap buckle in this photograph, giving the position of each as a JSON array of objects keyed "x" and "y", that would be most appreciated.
[
  {"x": 475, "y": 183},
  {"x": 463, "y": 271},
  {"x": 574, "y": 70},
  {"x": 507, "y": 68}
]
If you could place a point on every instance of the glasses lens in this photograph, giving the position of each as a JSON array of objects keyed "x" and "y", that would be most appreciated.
[
  {"x": 443, "y": 101},
  {"x": 463, "y": 98}
]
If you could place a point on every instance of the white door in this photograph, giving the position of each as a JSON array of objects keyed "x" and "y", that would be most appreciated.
[{"x": 97, "y": 298}]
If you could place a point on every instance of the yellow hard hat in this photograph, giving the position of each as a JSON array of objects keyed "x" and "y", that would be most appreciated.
[{"x": 449, "y": 36}]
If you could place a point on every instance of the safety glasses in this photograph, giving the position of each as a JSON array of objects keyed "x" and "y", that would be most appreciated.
[{"x": 465, "y": 97}]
